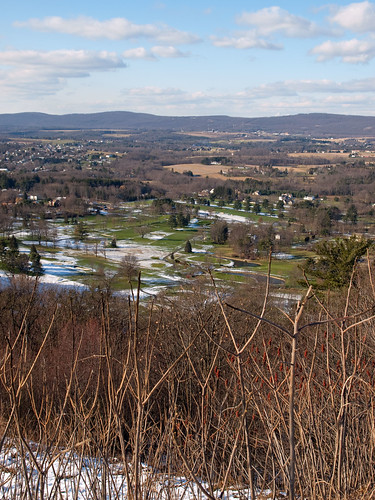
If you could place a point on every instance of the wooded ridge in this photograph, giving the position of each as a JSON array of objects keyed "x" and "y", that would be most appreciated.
[{"x": 313, "y": 124}]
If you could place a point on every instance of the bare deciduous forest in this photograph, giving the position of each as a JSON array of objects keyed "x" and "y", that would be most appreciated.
[{"x": 232, "y": 395}]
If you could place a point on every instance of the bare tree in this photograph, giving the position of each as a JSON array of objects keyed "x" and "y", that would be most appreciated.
[{"x": 128, "y": 267}]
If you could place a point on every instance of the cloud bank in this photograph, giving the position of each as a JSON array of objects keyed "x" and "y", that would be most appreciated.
[
  {"x": 348, "y": 51},
  {"x": 264, "y": 25},
  {"x": 118, "y": 28},
  {"x": 158, "y": 51},
  {"x": 31, "y": 72},
  {"x": 62, "y": 60}
]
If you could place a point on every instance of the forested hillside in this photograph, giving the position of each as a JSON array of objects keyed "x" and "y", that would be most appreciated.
[{"x": 313, "y": 124}]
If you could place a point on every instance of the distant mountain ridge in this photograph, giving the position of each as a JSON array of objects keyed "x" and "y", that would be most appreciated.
[{"x": 310, "y": 124}]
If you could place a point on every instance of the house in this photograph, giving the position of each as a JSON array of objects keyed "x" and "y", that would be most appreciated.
[
  {"x": 204, "y": 193},
  {"x": 54, "y": 203},
  {"x": 286, "y": 198}
]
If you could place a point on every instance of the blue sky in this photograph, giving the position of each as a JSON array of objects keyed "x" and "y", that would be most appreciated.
[{"x": 240, "y": 58}]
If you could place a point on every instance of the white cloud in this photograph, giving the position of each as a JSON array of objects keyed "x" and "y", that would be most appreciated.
[
  {"x": 349, "y": 51},
  {"x": 167, "y": 51},
  {"x": 29, "y": 84},
  {"x": 31, "y": 73},
  {"x": 113, "y": 29},
  {"x": 285, "y": 96},
  {"x": 63, "y": 60},
  {"x": 272, "y": 20},
  {"x": 158, "y": 51},
  {"x": 171, "y": 100},
  {"x": 347, "y": 100},
  {"x": 297, "y": 87},
  {"x": 138, "y": 53},
  {"x": 358, "y": 17},
  {"x": 266, "y": 24},
  {"x": 152, "y": 91},
  {"x": 245, "y": 41}
]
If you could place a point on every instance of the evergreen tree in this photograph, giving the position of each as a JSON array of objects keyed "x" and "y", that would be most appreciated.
[
  {"x": 80, "y": 231},
  {"x": 182, "y": 220},
  {"x": 333, "y": 265},
  {"x": 13, "y": 243},
  {"x": 323, "y": 221},
  {"x": 36, "y": 268},
  {"x": 188, "y": 247},
  {"x": 3, "y": 246},
  {"x": 352, "y": 214},
  {"x": 172, "y": 221},
  {"x": 256, "y": 208},
  {"x": 11, "y": 258},
  {"x": 265, "y": 204}
]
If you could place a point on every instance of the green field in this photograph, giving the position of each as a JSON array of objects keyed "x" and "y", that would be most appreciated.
[{"x": 158, "y": 249}]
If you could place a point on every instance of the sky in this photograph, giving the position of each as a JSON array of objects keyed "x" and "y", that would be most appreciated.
[{"x": 198, "y": 57}]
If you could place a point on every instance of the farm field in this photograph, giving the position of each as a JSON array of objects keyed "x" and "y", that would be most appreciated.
[
  {"x": 211, "y": 171},
  {"x": 214, "y": 171}
]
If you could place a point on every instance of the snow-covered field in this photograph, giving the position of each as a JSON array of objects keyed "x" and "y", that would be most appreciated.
[{"x": 64, "y": 266}]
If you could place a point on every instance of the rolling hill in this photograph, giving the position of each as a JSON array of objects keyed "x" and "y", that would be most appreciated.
[{"x": 313, "y": 124}]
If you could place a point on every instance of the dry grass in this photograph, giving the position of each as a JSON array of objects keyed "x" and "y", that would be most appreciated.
[
  {"x": 212, "y": 171},
  {"x": 199, "y": 169}
]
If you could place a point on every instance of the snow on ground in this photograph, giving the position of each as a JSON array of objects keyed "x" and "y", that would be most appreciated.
[
  {"x": 233, "y": 218},
  {"x": 60, "y": 267},
  {"x": 229, "y": 264},
  {"x": 156, "y": 235},
  {"x": 144, "y": 253},
  {"x": 63, "y": 267},
  {"x": 57, "y": 273},
  {"x": 224, "y": 216},
  {"x": 47, "y": 279},
  {"x": 283, "y": 256},
  {"x": 67, "y": 475},
  {"x": 145, "y": 293},
  {"x": 193, "y": 222},
  {"x": 50, "y": 279},
  {"x": 169, "y": 277},
  {"x": 201, "y": 250}
]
